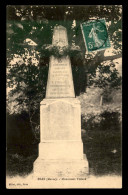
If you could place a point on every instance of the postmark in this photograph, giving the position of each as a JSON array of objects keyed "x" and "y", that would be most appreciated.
[{"x": 95, "y": 35}]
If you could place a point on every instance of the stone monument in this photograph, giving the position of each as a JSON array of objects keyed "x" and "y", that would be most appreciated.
[{"x": 61, "y": 147}]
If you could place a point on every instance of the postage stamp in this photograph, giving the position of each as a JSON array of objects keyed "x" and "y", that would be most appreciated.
[{"x": 95, "y": 35}]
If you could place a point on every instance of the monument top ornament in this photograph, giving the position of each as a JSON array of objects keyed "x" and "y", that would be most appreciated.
[
  {"x": 60, "y": 36},
  {"x": 60, "y": 47}
]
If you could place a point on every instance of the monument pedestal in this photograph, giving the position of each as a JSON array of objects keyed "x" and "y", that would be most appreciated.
[
  {"x": 61, "y": 147},
  {"x": 59, "y": 168}
]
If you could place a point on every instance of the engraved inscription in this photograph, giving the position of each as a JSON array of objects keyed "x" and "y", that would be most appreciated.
[
  {"x": 60, "y": 81},
  {"x": 60, "y": 126}
]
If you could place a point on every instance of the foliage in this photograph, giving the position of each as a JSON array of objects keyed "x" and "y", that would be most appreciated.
[
  {"x": 37, "y": 22},
  {"x": 106, "y": 75},
  {"x": 107, "y": 78},
  {"x": 19, "y": 129},
  {"x": 101, "y": 120},
  {"x": 28, "y": 87},
  {"x": 29, "y": 35}
]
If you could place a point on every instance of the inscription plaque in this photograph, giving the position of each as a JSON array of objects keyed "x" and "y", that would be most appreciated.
[{"x": 60, "y": 82}]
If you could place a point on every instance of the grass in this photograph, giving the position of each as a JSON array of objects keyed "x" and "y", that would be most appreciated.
[
  {"x": 19, "y": 159},
  {"x": 102, "y": 148}
]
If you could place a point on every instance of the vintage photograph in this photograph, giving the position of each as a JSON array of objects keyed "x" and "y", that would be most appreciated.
[{"x": 63, "y": 96}]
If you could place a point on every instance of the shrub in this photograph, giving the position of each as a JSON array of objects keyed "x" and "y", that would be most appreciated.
[
  {"x": 18, "y": 129},
  {"x": 110, "y": 120},
  {"x": 106, "y": 120}
]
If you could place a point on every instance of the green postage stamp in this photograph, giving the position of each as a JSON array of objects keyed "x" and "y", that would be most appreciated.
[{"x": 95, "y": 35}]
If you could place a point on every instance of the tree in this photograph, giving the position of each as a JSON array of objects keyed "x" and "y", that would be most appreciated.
[
  {"x": 30, "y": 29},
  {"x": 29, "y": 87},
  {"x": 106, "y": 78}
]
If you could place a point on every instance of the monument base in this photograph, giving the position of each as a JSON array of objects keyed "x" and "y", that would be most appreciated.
[
  {"x": 64, "y": 168},
  {"x": 61, "y": 149}
]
